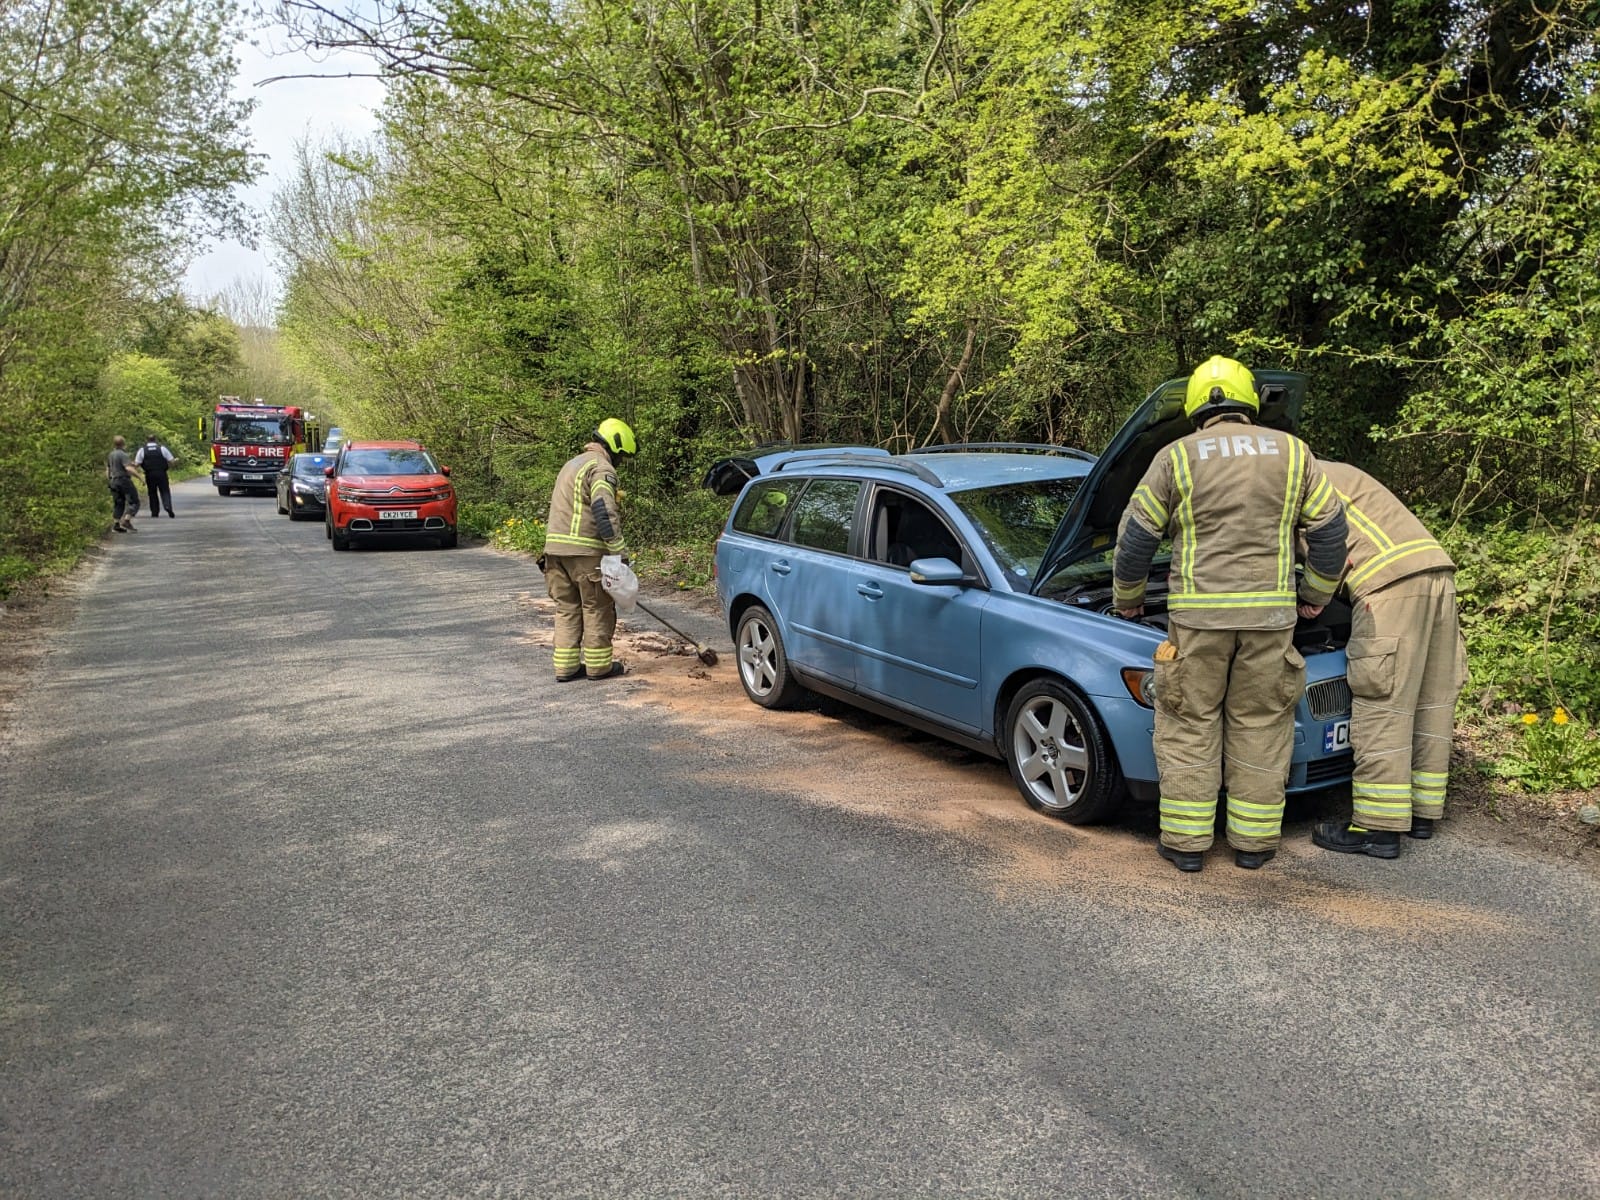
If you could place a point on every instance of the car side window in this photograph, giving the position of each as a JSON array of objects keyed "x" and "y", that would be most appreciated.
[
  {"x": 824, "y": 515},
  {"x": 765, "y": 505},
  {"x": 903, "y": 529}
]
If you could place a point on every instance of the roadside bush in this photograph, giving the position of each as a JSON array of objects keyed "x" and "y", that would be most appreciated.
[
  {"x": 1560, "y": 754},
  {"x": 480, "y": 518},
  {"x": 1530, "y": 605}
]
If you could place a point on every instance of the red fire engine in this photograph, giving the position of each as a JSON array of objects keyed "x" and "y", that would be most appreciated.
[{"x": 251, "y": 443}]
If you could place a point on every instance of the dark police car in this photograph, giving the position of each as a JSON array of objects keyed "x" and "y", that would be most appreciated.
[{"x": 302, "y": 488}]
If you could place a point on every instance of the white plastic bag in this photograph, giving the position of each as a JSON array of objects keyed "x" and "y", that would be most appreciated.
[{"x": 618, "y": 579}]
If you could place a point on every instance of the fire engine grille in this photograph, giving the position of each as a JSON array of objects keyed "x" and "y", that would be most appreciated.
[
  {"x": 1334, "y": 769},
  {"x": 1329, "y": 699}
]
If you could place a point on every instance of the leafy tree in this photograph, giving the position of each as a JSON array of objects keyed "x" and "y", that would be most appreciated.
[{"x": 119, "y": 140}]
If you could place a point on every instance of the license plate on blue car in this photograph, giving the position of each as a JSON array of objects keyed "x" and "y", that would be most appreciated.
[{"x": 1335, "y": 736}]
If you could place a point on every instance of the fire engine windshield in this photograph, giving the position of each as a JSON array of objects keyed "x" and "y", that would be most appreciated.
[{"x": 262, "y": 430}]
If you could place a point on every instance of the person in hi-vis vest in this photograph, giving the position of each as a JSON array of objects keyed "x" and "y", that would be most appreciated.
[
  {"x": 585, "y": 525},
  {"x": 1234, "y": 497},
  {"x": 1407, "y": 663}
]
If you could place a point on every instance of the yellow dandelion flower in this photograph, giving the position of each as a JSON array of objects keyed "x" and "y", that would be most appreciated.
[
  {"x": 1559, "y": 717},
  {"x": 1530, "y": 718}
]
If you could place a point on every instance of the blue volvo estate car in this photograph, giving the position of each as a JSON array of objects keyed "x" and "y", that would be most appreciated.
[{"x": 966, "y": 591}]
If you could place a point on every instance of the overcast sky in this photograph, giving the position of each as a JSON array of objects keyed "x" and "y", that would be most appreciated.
[{"x": 286, "y": 112}]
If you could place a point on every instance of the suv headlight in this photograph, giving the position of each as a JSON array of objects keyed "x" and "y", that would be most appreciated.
[{"x": 1141, "y": 684}]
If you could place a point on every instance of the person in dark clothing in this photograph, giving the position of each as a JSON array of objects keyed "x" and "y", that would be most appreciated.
[
  {"x": 153, "y": 457},
  {"x": 124, "y": 496}
]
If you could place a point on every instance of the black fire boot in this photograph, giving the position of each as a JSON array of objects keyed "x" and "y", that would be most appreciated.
[
  {"x": 1352, "y": 839},
  {"x": 1184, "y": 860},
  {"x": 1421, "y": 828},
  {"x": 1252, "y": 860}
]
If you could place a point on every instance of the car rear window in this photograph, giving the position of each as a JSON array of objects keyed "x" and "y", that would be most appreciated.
[
  {"x": 824, "y": 515},
  {"x": 764, "y": 507}
]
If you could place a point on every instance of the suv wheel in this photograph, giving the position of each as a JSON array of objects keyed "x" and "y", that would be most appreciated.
[
  {"x": 224, "y": 491},
  {"x": 341, "y": 541},
  {"x": 763, "y": 664},
  {"x": 1059, "y": 754}
]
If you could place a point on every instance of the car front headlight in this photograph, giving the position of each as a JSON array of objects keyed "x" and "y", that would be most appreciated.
[
  {"x": 305, "y": 489},
  {"x": 1141, "y": 684}
]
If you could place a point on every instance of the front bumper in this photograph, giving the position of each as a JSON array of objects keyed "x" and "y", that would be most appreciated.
[
  {"x": 1320, "y": 757},
  {"x": 434, "y": 519},
  {"x": 266, "y": 481},
  {"x": 300, "y": 502}
]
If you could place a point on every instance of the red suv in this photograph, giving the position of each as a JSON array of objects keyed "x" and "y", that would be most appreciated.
[{"x": 379, "y": 490}]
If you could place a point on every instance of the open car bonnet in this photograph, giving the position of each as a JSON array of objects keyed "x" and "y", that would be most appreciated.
[
  {"x": 1091, "y": 523},
  {"x": 727, "y": 476}
]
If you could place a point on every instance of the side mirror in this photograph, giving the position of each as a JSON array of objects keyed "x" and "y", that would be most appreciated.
[
  {"x": 444, "y": 470},
  {"x": 328, "y": 471},
  {"x": 936, "y": 570}
]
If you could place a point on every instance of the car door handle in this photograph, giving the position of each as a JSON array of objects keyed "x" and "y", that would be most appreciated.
[
  {"x": 870, "y": 590},
  {"x": 782, "y": 567}
]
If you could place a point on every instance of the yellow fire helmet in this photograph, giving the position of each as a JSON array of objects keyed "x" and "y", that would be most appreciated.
[
  {"x": 617, "y": 437},
  {"x": 1218, "y": 385}
]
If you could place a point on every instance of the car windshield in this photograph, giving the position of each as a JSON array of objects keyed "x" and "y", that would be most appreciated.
[
  {"x": 1018, "y": 520},
  {"x": 312, "y": 465},
  {"x": 389, "y": 462},
  {"x": 263, "y": 430},
  {"x": 1094, "y": 569}
]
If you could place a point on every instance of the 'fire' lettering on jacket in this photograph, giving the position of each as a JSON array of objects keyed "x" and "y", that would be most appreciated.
[{"x": 1236, "y": 446}]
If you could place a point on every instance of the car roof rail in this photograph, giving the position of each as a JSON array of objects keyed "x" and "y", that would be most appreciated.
[
  {"x": 887, "y": 463},
  {"x": 1004, "y": 447}
]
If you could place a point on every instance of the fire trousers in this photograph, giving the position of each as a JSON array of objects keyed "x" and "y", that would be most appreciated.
[
  {"x": 1407, "y": 663},
  {"x": 586, "y": 617},
  {"x": 1225, "y": 714}
]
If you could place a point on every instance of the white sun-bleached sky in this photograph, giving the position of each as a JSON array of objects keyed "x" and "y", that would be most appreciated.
[{"x": 287, "y": 111}]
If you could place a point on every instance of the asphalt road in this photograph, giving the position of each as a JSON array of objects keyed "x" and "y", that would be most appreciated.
[{"x": 313, "y": 882}]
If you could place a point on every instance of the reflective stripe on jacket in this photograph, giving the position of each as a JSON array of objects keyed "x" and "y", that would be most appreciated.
[
  {"x": 584, "y": 518},
  {"x": 1387, "y": 542},
  {"x": 1233, "y": 497}
]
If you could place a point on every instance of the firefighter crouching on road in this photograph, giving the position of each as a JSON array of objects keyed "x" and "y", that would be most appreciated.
[
  {"x": 1407, "y": 664},
  {"x": 585, "y": 525},
  {"x": 1233, "y": 496}
]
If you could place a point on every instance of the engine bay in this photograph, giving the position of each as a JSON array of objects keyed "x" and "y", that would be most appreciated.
[{"x": 1320, "y": 635}]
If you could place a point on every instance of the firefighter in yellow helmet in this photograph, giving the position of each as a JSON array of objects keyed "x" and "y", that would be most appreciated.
[
  {"x": 1232, "y": 496},
  {"x": 1407, "y": 665},
  {"x": 584, "y": 526}
]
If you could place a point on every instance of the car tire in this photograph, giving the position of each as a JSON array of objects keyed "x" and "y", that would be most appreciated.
[
  {"x": 341, "y": 541},
  {"x": 327, "y": 528},
  {"x": 448, "y": 541},
  {"x": 222, "y": 491},
  {"x": 282, "y": 511},
  {"x": 1059, "y": 754},
  {"x": 763, "y": 662}
]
